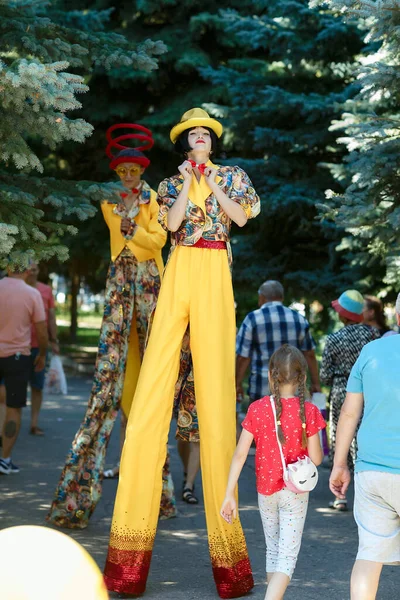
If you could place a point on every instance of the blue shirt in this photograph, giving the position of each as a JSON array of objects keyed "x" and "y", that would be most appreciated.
[
  {"x": 376, "y": 374},
  {"x": 265, "y": 330}
]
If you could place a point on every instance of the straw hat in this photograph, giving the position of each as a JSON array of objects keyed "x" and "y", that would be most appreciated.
[
  {"x": 195, "y": 117},
  {"x": 350, "y": 305}
]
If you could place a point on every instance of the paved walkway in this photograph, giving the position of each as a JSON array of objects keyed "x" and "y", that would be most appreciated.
[{"x": 180, "y": 566}]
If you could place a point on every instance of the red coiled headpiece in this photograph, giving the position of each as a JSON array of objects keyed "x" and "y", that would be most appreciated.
[{"x": 145, "y": 136}]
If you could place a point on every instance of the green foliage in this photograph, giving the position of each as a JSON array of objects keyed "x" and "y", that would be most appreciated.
[
  {"x": 369, "y": 208},
  {"x": 40, "y": 41},
  {"x": 278, "y": 97},
  {"x": 277, "y": 74},
  {"x": 85, "y": 337}
]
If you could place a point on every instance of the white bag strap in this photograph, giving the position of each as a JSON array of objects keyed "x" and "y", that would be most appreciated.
[{"x": 285, "y": 472}]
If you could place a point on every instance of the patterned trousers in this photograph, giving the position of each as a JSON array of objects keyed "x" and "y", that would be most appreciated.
[
  {"x": 336, "y": 400},
  {"x": 131, "y": 294},
  {"x": 283, "y": 515}
]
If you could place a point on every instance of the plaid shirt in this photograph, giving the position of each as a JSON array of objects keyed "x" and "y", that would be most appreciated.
[{"x": 262, "y": 332}]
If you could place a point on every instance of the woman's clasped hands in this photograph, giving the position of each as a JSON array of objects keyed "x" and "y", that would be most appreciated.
[{"x": 186, "y": 170}]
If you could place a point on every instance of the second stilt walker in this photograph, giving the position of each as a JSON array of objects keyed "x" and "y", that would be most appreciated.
[
  {"x": 132, "y": 288},
  {"x": 197, "y": 206}
]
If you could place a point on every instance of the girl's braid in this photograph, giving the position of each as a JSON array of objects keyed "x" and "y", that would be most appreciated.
[
  {"x": 278, "y": 405},
  {"x": 302, "y": 395}
]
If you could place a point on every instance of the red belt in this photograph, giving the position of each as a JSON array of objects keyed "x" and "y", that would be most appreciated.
[{"x": 213, "y": 244}]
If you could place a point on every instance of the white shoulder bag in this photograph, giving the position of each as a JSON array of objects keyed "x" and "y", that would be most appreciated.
[{"x": 301, "y": 476}]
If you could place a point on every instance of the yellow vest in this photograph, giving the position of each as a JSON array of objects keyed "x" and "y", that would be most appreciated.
[{"x": 149, "y": 238}]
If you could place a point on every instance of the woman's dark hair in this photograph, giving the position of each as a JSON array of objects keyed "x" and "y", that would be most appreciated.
[
  {"x": 373, "y": 303},
  {"x": 182, "y": 146},
  {"x": 130, "y": 153}
]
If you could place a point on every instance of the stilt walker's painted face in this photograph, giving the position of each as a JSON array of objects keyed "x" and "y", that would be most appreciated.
[
  {"x": 129, "y": 174},
  {"x": 129, "y": 163},
  {"x": 199, "y": 139}
]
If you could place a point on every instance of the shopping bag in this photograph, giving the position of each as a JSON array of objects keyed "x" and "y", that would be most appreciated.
[
  {"x": 319, "y": 400},
  {"x": 55, "y": 382}
]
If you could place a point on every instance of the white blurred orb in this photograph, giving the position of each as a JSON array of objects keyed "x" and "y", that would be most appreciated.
[{"x": 38, "y": 563}]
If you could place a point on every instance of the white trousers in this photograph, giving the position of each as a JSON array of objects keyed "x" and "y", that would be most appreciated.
[{"x": 283, "y": 515}]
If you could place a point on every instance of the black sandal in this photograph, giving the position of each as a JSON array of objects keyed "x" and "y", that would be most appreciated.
[{"x": 189, "y": 497}]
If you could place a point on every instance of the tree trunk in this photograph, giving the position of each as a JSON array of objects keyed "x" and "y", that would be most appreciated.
[
  {"x": 75, "y": 285},
  {"x": 307, "y": 310}
]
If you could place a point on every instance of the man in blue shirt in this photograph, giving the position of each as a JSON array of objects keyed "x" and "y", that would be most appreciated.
[
  {"x": 265, "y": 330},
  {"x": 373, "y": 386}
]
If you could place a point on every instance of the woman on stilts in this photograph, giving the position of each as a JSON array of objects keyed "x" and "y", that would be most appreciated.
[
  {"x": 197, "y": 206},
  {"x": 132, "y": 288}
]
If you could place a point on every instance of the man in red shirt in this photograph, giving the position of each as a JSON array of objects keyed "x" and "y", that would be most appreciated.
[
  {"x": 21, "y": 307},
  {"x": 37, "y": 377}
]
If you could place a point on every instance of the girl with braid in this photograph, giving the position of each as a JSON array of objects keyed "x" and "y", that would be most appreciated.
[{"x": 282, "y": 511}]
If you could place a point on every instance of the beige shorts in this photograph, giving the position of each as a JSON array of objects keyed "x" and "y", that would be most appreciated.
[{"x": 377, "y": 514}]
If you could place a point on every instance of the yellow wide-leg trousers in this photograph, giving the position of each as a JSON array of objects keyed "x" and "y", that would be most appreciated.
[
  {"x": 196, "y": 289},
  {"x": 132, "y": 370}
]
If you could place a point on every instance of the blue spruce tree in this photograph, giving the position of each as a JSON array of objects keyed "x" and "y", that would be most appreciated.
[
  {"x": 369, "y": 207},
  {"x": 291, "y": 71},
  {"x": 46, "y": 54}
]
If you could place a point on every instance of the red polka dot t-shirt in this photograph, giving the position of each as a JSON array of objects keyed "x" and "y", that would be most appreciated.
[{"x": 260, "y": 422}]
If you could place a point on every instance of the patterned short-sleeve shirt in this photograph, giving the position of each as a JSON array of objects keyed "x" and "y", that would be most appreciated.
[
  {"x": 341, "y": 351},
  {"x": 260, "y": 422},
  {"x": 213, "y": 224}
]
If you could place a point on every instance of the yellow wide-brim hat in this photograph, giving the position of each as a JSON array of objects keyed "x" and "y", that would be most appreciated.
[{"x": 195, "y": 117}]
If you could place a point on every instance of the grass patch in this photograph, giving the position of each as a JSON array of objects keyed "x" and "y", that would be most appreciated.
[{"x": 85, "y": 337}]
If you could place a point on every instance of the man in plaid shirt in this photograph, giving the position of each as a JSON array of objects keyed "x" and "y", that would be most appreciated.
[{"x": 262, "y": 332}]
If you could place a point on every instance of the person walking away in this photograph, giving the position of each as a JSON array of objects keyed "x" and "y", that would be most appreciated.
[
  {"x": 21, "y": 307},
  {"x": 340, "y": 353},
  {"x": 36, "y": 379},
  {"x": 262, "y": 332},
  {"x": 373, "y": 393},
  {"x": 2, "y": 389},
  {"x": 283, "y": 512}
]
